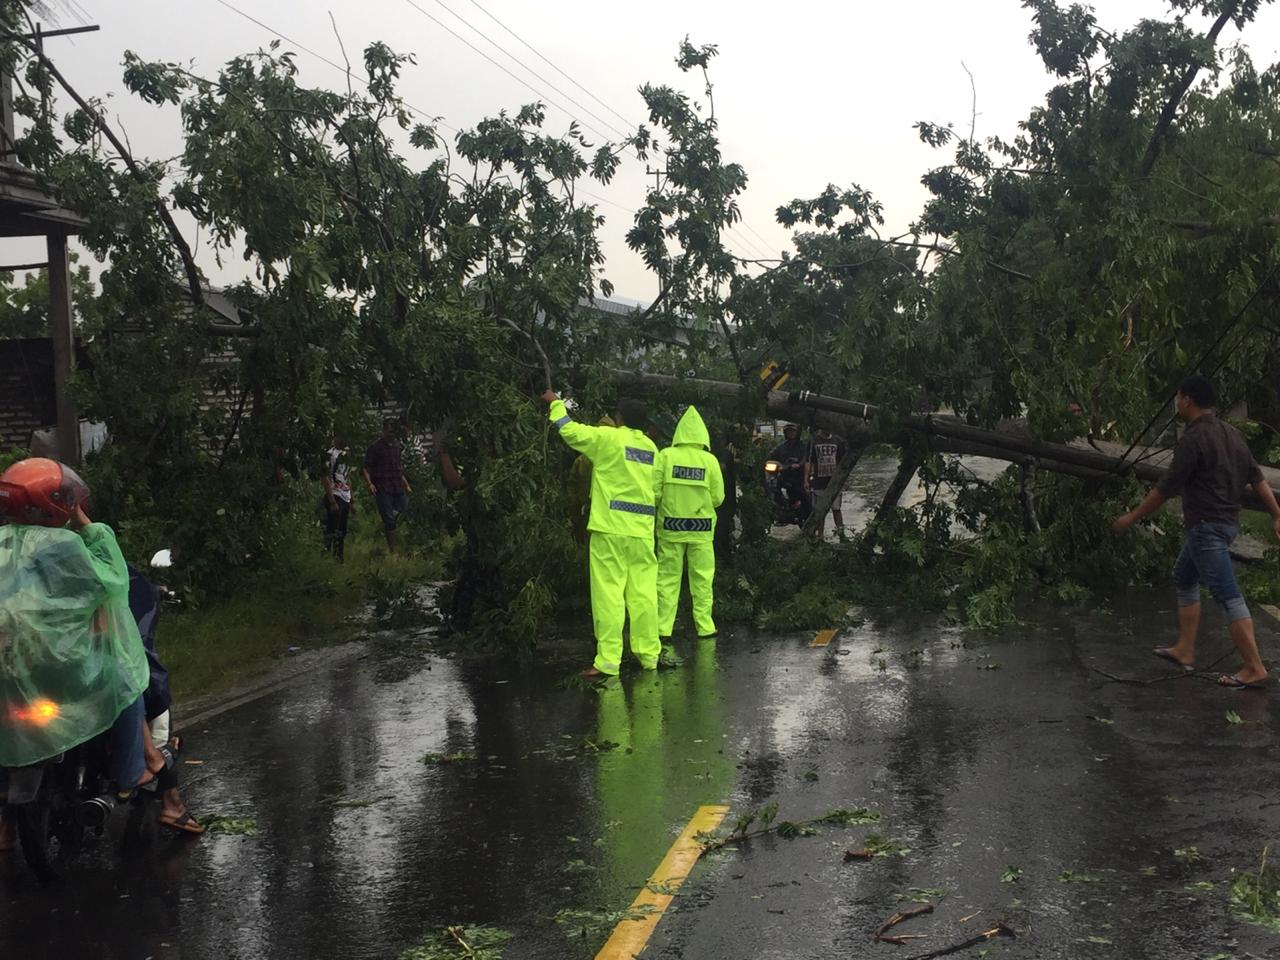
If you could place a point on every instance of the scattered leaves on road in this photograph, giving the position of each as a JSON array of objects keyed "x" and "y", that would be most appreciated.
[
  {"x": 1188, "y": 855},
  {"x": 440, "y": 759},
  {"x": 1011, "y": 875},
  {"x": 1233, "y": 718},
  {"x": 231, "y": 826},
  {"x": 885, "y": 847},
  {"x": 1255, "y": 895},
  {"x": 1070, "y": 876},
  {"x": 460, "y": 943},
  {"x": 585, "y": 923},
  {"x": 921, "y": 894}
]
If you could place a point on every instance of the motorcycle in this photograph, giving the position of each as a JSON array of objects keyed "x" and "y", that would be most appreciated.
[
  {"x": 784, "y": 485},
  {"x": 56, "y": 803}
]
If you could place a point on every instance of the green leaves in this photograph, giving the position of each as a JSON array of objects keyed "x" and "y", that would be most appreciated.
[
  {"x": 460, "y": 943},
  {"x": 215, "y": 823}
]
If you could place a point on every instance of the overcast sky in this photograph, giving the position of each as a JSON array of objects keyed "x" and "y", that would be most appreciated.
[{"x": 807, "y": 93}]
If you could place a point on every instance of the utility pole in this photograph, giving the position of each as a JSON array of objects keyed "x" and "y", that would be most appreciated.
[{"x": 61, "y": 309}]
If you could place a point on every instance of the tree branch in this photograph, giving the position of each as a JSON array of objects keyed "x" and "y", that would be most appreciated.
[
  {"x": 542, "y": 355},
  {"x": 1170, "y": 109},
  {"x": 179, "y": 241}
]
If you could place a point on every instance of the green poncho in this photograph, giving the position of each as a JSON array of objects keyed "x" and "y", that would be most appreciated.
[{"x": 70, "y": 655}]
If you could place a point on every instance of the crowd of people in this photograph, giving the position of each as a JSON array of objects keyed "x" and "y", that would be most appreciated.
[{"x": 383, "y": 472}]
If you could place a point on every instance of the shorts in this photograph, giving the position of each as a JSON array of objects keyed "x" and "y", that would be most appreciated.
[
  {"x": 819, "y": 483},
  {"x": 390, "y": 506},
  {"x": 1206, "y": 559}
]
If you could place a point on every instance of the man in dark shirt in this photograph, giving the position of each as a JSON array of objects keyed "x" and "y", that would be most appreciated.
[
  {"x": 793, "y": 455},
  {"x": 384, "y": 476},
  {"x": 1211, "y": 469}
]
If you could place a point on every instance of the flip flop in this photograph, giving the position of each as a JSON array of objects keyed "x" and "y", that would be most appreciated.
[
  {"x": 1164, "y": 654},
  {"x": 1235, "y": 683},
  {"x": 181, "y": 824}
]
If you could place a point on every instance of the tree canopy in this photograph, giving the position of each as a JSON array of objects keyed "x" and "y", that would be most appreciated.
[{"x": 1071, "y": 273}]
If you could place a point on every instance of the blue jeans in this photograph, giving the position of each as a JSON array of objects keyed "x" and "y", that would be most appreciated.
[
  {"x": 390, "y": 506},
  {"x": 1206, "y": 558},
  {"x": 128, "y": 757}
]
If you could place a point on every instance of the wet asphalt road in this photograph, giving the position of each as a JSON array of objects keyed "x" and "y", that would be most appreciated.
[
  {"x": 980, "y": 754},
  {"x": 974, "y": 769}
]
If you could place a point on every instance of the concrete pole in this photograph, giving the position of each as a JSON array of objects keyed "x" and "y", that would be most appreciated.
[{"x": 62, "y": 334}]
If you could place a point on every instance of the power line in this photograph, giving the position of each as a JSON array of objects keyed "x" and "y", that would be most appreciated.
[
  {"x": 416, "y": 110},
  {"x": 436, "y": 121},
  {"x": 540, "y": 77},
  {"x": 520, "y": 80},
  {"x": 538, "y": 54},
  {"x": 745, "y": 241},
  {"x": 753, "y": 231}
]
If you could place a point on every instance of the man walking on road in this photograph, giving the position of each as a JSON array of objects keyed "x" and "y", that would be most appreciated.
[
  {"x": 825, "y": 455},
  {"x": 1211, "y": 469},
  {"x": 624, "y": 570},
  {"x": 688, "y": 487},
  {"x": 384, "y": 476}
]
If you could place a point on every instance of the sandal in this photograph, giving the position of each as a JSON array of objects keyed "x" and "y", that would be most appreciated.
[{"x": 184, "y": 823}]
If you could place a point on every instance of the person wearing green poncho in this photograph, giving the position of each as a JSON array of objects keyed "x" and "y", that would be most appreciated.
[
  {"x": 72, "y": 664},
  {"x": 624, "y": 568},
  {"x": 688, "y": 487}
]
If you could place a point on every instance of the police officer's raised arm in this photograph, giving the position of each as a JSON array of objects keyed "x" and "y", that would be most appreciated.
[{"x": 583, "y": 438}]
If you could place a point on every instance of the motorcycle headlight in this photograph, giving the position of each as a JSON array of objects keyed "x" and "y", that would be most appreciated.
[{"x": 771, "y": 466}]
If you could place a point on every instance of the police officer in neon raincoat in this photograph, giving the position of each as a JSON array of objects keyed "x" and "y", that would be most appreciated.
[
  {"x": 624, "y": 569},
  {"x": 688, "y": 488}
]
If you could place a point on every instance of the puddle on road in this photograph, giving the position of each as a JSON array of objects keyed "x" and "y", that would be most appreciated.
[{"x": 569, "y": 799}]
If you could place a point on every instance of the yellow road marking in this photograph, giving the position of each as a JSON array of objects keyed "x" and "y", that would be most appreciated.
[
  {"x": 823, "y": 638},
  {"x": 630, "y": 936}
]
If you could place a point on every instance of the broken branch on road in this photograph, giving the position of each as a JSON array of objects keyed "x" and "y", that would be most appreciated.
[
  {"x": 1001, "y": 929},
  {"x": 902, "y": 915}
]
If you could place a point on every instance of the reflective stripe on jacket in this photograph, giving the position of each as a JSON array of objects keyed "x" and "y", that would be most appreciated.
[
  {"x": 622, "y": 474},
  {"x": 689, "y": 483}
]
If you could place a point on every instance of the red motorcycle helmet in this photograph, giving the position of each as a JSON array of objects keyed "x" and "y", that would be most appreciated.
[{"x": 41, "y": 493}]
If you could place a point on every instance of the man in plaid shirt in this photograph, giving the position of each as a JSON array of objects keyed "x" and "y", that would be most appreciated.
[{"x": 384, "y": 476}]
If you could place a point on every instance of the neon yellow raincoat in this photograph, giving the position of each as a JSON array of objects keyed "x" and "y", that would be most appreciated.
[
  {"x": 579, "y": 490},
  {"x": 688, "y": 488},
  {"x": 624, "y": 569},
  {"x": 70, "y": 655}
]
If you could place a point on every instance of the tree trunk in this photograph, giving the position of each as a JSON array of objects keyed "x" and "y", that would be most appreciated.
[
  {"x": 907, "y": 468},
  {"x": 948, "y": 434},
  {"x": 1030, "y": 522}
]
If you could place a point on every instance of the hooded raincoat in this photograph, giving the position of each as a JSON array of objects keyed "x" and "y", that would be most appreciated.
[
  {"x": 624, "y": 568},
  {"x": 688, "y": 488},
  {"x": 71, "y": 658}
]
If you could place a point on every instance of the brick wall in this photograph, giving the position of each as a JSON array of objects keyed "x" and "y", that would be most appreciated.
[{"x": 26, "y": 390}]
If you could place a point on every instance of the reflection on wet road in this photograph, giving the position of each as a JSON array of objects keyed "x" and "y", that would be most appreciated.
[{"x": 980, "y": 754}]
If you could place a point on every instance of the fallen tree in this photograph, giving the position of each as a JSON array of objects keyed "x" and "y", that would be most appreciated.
[{"x": 857, "y": 422}]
